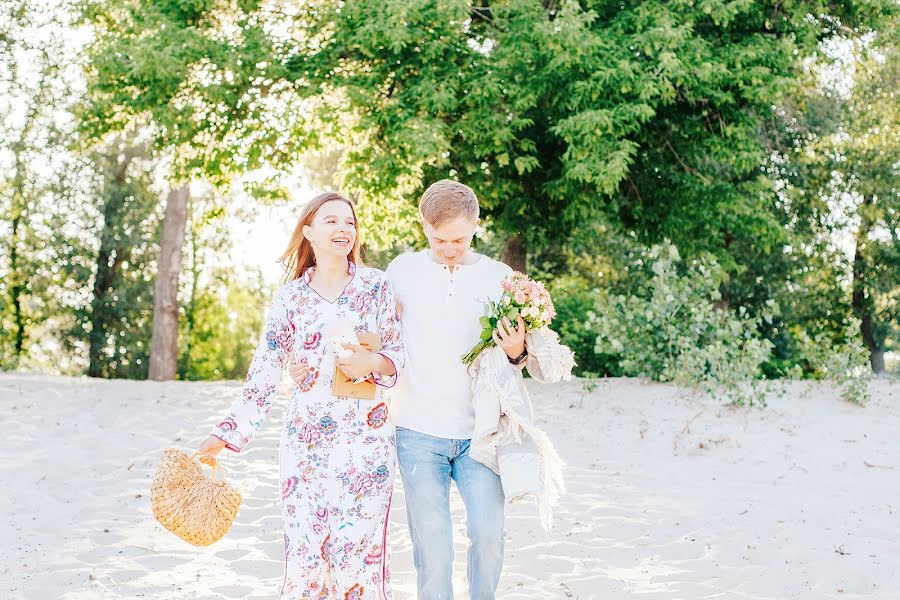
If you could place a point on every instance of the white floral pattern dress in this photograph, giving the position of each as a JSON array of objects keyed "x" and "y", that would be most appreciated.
[{"x": 337, "y": 453}]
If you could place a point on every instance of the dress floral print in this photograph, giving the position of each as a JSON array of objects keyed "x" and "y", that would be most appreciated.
[{"x": 337, "y": 454}]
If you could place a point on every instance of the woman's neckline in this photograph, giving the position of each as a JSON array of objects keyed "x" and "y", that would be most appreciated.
[{"x": 307, "y": 279}]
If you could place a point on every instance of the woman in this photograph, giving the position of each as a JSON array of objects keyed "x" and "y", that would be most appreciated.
[{"x": 337, "y": 453}]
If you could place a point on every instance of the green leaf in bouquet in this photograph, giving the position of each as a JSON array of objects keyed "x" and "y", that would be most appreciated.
[
  {"x": 513, "y": 314},
  {"x": 485, "y": 322},
  {"x": 486, "y": 334}
]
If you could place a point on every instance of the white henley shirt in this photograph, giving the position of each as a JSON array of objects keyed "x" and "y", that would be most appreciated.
[{"x": 440, "y": 318}]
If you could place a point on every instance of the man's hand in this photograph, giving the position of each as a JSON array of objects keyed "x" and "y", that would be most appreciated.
[
  {"x": 510, "y": 339},
  {"x": 297, "y": 370},
  {"x": 358, "y": 365}
]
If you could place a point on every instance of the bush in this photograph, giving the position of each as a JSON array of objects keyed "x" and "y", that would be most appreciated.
[
  {"x": 573, "y": 274},
  {"x": 675, "y": 328},
  {"x": 841, "y": 360},
  {"x": 574, "y": 301}
]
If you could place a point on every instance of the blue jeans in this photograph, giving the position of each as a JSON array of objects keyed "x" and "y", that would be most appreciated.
[{"x": 427, "y": 464}]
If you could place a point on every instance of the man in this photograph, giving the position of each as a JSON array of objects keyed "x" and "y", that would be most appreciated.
[{"x": 442, "y": 291}]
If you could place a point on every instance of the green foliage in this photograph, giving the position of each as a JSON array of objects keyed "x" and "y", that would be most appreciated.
[
  {"x": 703, "y": 123},
  {"x": 229, "y": 314},
  {"x": 575, "y": 301},
  {"x": 35, "y": 80},
  {"x": 111, "y": 323},
  {"x": 651, "y": 112},
  {"x": 841, "y": 180},
  {"x": 840, "y": 359},
  {"x": 595, "y": 261},
  {"x": 675, "y": 329},
  {"x": 205, "y": 76},
  {"x": 221, "y": 311}
]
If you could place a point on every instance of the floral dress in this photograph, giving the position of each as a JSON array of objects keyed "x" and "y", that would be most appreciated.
[{"x": 337, "y": 453}]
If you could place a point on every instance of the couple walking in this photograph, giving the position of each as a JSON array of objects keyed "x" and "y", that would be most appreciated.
[{"x": 338, "y": 454}]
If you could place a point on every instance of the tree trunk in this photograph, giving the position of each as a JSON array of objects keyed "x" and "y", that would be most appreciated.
[
  {"x": 190, "y": 312},
  {"x": 514, "y": 254},
  {"x": 16, "y": 290},
  {"x": 863, "y": 302},
  {"x": 164, "y": 339},
  {"x": 17, "y": 276},
  {"x": 876, "y": 359}
]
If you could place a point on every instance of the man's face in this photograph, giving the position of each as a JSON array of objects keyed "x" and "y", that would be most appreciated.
[{"x": 451, "y": 240}]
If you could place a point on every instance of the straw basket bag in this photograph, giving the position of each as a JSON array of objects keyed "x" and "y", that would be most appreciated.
[{"x": 196, "y": 508}]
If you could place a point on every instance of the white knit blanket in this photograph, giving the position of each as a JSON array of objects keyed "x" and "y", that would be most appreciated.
[{"x": 505, "y": 437}]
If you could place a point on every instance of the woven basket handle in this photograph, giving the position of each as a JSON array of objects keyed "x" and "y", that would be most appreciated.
[{"x": 215, "y": 467}]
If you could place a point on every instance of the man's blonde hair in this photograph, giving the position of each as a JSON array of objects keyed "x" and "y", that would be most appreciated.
[{"x": 446, "y": 200}]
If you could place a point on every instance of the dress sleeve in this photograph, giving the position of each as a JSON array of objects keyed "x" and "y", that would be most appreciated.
[
  {"x": 252, "y": 404},
  {"x": 391, "y": 333}
]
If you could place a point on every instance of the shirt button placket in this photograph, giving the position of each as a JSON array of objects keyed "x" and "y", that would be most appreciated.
[{"x": 451, "y": 282}]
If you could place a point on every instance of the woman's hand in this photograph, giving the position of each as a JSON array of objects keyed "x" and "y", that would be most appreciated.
[
  {"x": 297, "y": 370},
  {"x": 358, "y": 365},
  {"x": 209, "y": 450},
  {"x": 510, "y": 339}
]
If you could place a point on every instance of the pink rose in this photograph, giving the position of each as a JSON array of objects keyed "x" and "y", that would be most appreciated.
[
  {"x": 312, "y": 341},
  {"x": 310, "y": 434},
  {"x": 520, "y": 297},
  {"x": 362, "y": 484}
]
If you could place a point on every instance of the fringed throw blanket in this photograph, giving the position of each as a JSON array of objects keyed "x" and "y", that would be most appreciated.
[{"x": 505, "y": 437}]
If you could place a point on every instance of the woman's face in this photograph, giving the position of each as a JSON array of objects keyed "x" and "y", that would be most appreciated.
[{"x": 332, "y": 230}]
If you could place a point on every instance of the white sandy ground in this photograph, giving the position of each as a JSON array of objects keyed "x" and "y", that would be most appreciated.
[{"x": 670, "y": 496}]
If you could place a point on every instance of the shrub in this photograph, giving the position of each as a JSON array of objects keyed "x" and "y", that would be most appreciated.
[{"x": 676, "y": 328}]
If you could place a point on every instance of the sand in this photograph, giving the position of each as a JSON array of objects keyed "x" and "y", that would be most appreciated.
[{"x": 671, "y": 495}]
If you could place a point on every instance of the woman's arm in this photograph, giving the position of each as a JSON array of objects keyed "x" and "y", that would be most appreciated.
[
  {"x": 384, "y": 364},
  {"x": 364, "y": 363}
]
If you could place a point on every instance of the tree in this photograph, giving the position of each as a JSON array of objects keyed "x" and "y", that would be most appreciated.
[
  {"x": 33, "y": 56},
  {"x": 206, "y": 238},
  {"x": 555, "y": 113},
  {"x": 136, "y": 80},
  {"x": 865, "y": 156},
  {"x": 871, "y": 168},
  {"x": 845, "y": 178},
  {"x": 659, "y": 118},
  {"x": 117, "y": 318}
]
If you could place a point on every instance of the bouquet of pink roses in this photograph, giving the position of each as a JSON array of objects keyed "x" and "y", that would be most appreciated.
[{"x": 522, "y": 297}]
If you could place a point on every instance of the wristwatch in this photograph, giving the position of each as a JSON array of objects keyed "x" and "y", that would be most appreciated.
[{"x": 519, "y": 359}]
